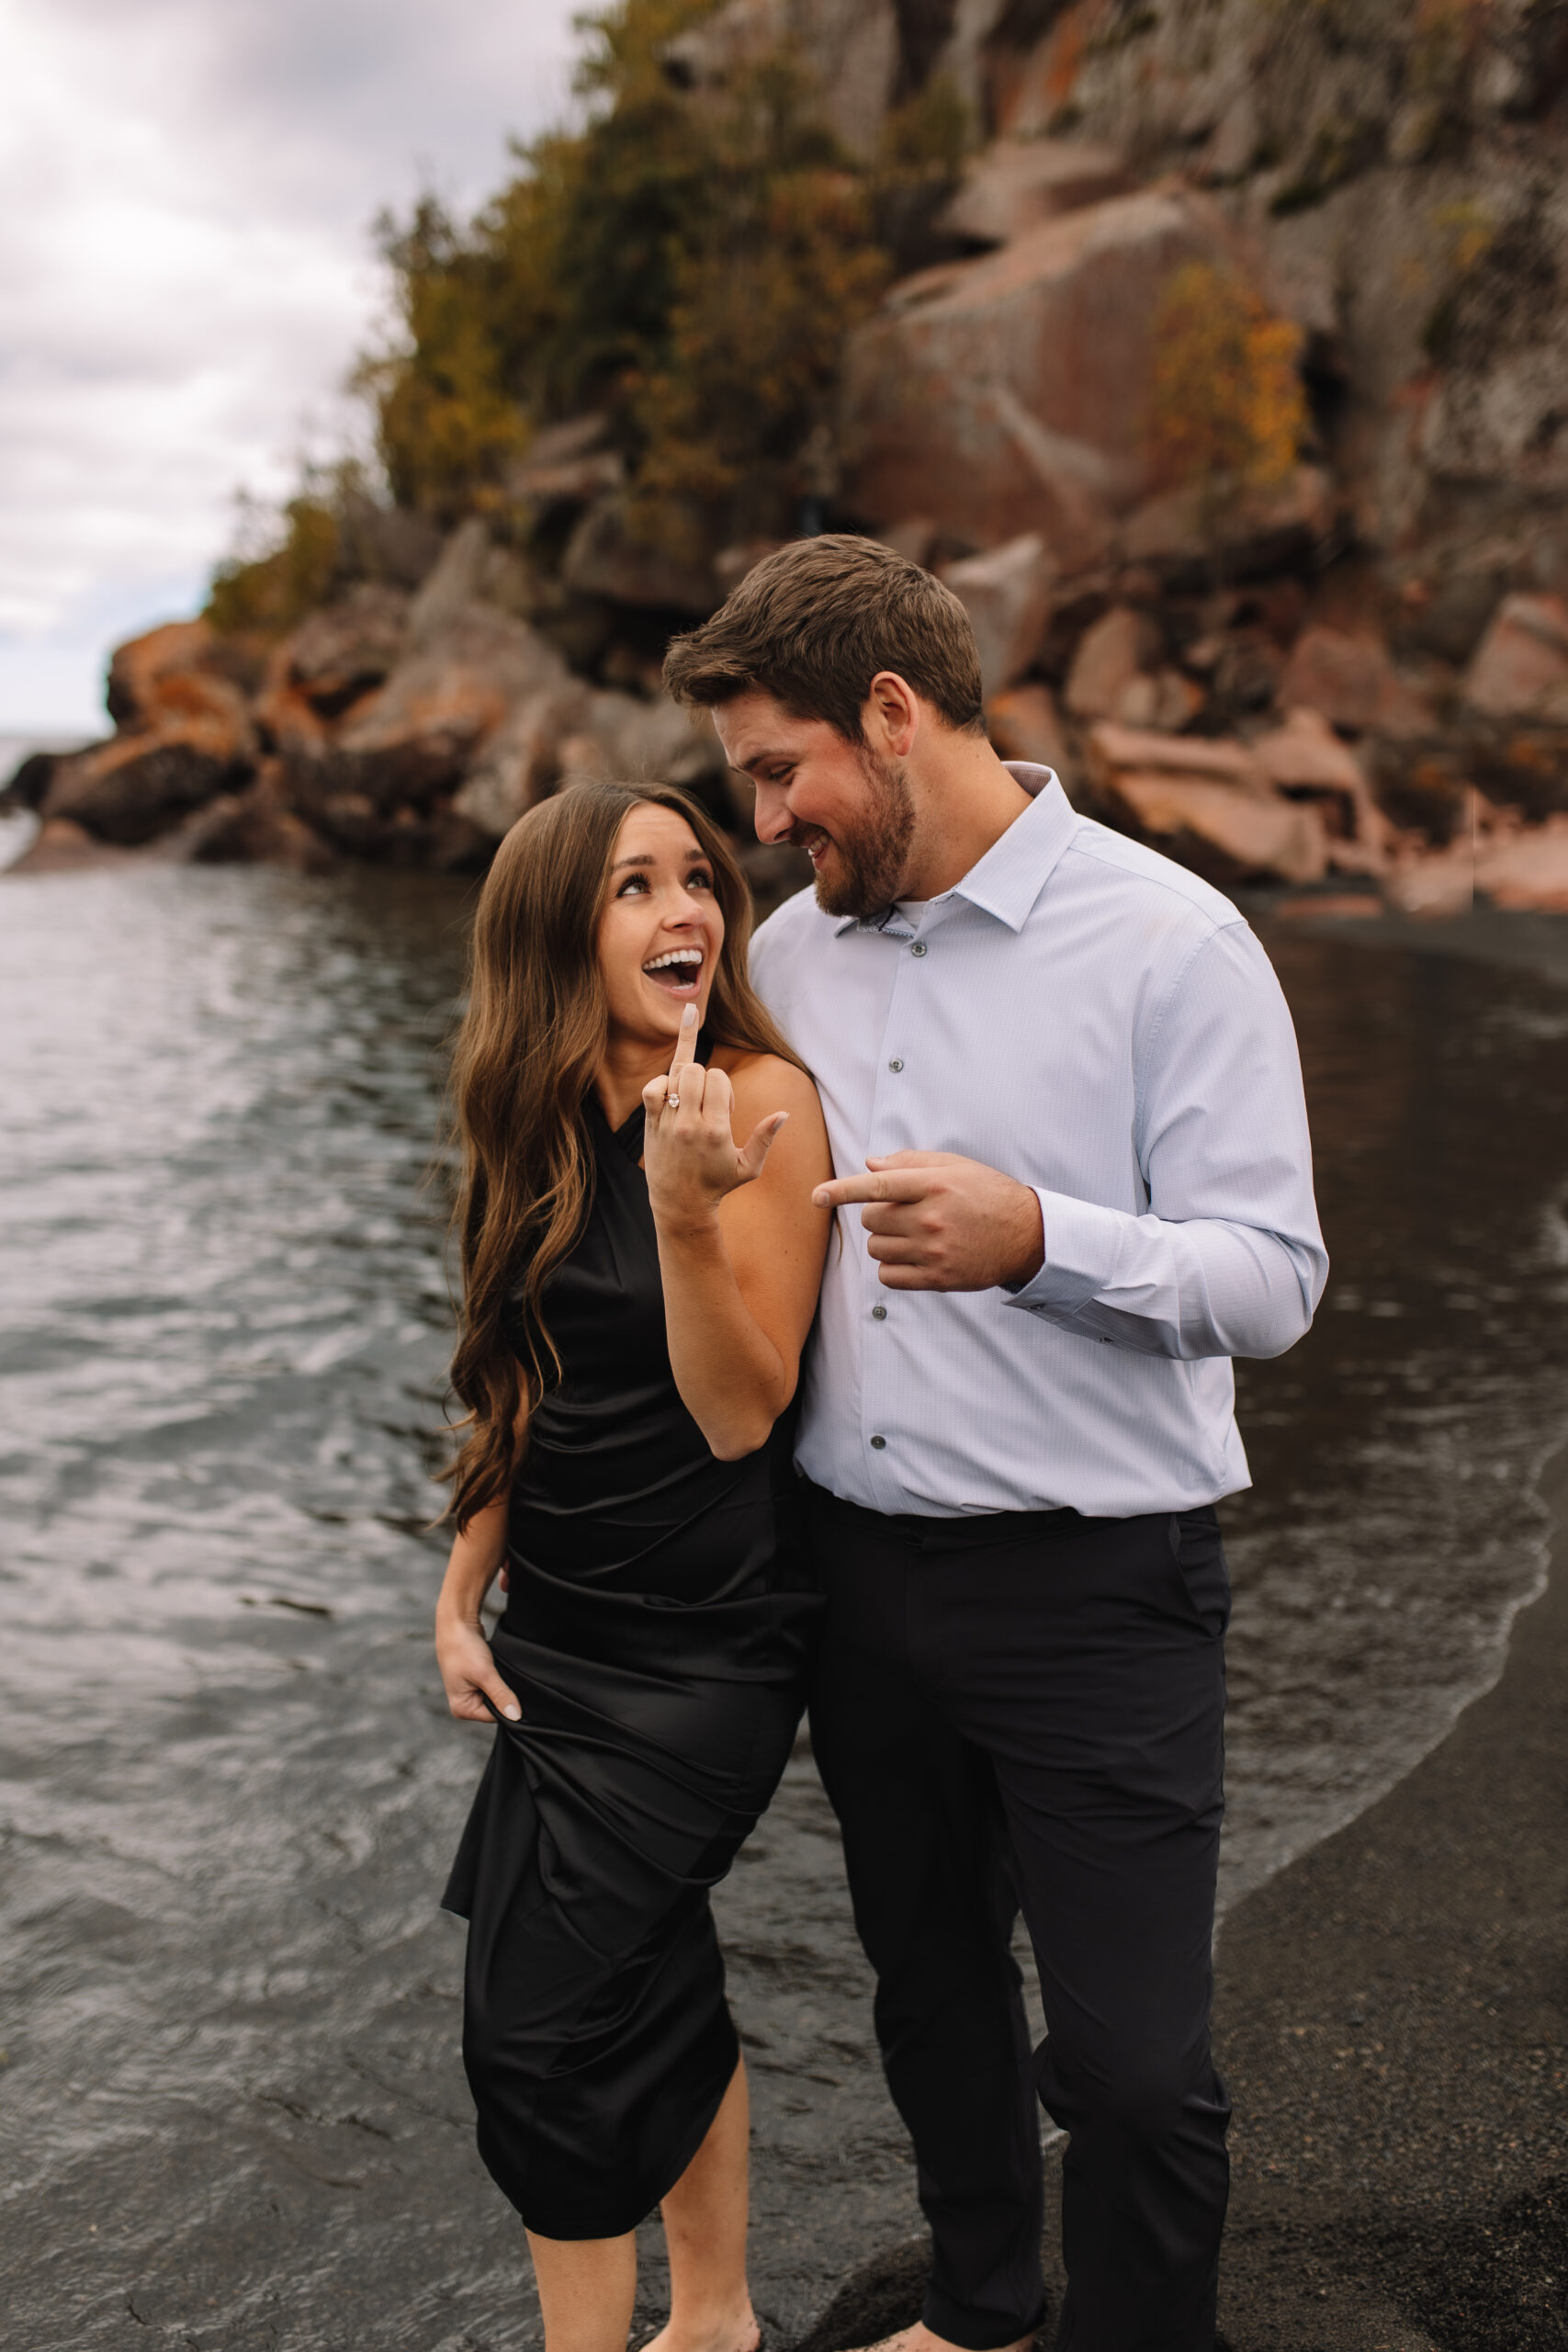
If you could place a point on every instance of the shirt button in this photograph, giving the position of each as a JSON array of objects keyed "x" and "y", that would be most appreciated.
[
  {"x": 877, "y": 1443},
  {"x": 896, "y": 1064},
  {"x": 918, "y": 948},
  {"x": 879, "y": 1315}
]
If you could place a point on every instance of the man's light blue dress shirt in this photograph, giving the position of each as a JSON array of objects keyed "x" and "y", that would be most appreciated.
[{"x": 1095, "y": 1021}]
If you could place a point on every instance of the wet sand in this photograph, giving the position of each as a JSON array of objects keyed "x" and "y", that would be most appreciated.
[{"x": 1393, "y": 2016}]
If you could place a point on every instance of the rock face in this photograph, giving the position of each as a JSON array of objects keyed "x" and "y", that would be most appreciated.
[
  {"x": 1018, "y": 183},
  {"x": 1012, "y": 393},
  {"x": 1520, "y": 670},
  {"x": 185, "y": 732},
  {"x": 1351, "y": 682},
  {"x": 1007, "y": 594}
]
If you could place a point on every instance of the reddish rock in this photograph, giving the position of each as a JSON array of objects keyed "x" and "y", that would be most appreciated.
[
  {"x": 1305, "y": 760},
  {"x": 417, "y": 736},
  {"x": 1024, "y": 724},
  {"x": 915, "y": 536},
  {"x": 1007, "y": 594},
  {"x": 1111, "y": 654},
  {"x": 1136, "y": 747},
  {"x": 1521, "y": 668},
  {"x": 1527, "y": 869},
  {"x": 1016, "y": 184},
  {"x": 1188, "y": 532},
  {"x": 342, "y": 651},
  {"x": 1167, "y": 702},
  {"x": 135, "y": 786},
  {"x": 522, "y": 762},
  {"x": 1434, "y": 883},
  {"x": 141, "y": 670},
  {"x": 1222, "y": 830},
  {"x": 1351, "y": 681},
  {"x": 1012, "y": 393},
  {"x": 604, "y": 556}
]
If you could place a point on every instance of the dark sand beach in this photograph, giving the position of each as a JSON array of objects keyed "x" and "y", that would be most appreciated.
[{"x": 1393, "y": 2019}]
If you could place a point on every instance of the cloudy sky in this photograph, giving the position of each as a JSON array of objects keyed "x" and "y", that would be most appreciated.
[{"x": 186, "y": 191}]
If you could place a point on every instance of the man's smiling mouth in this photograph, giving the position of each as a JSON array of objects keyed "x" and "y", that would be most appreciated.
[{"x": 677, "y": 971}]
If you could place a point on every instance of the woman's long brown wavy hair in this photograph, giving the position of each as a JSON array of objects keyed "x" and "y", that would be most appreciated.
[{"x": 533, "y": 1036}]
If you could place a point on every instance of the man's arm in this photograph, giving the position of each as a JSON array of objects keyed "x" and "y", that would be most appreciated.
[{"x": 1227, "y": 1259}]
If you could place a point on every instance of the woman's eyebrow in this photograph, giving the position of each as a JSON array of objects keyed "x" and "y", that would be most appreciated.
[{"x": 644, "y": 860}]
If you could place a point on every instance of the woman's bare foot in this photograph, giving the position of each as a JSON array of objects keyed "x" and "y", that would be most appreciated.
[{"x": 740, "y": 2333}]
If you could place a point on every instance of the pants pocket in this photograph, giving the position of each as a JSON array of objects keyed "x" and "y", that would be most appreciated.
[{"x": 1200, "y": 1555}]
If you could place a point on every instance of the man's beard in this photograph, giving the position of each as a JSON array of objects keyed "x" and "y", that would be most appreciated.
[{"x": 874, "y": 854}]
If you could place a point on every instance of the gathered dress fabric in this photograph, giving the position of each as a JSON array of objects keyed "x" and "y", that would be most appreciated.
[{"x": 656, "y": 1634}]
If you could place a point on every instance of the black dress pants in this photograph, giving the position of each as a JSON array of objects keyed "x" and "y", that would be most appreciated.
[{"x": 1027, "y": 1710}]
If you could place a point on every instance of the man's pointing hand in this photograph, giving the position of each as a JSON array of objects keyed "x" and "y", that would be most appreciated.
[{"x": 939, "y": 1222}]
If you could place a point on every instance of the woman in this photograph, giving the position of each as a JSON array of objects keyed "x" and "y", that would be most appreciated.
[{"x": 637, "y": 1287}]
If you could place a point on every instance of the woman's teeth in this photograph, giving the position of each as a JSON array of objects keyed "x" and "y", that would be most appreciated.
[{"x": 679, "y": 970}]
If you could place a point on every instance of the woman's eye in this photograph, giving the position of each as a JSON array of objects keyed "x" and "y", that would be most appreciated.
[
  {"x": 699, "y": 879},
  {"x": 633, "y": 882}
]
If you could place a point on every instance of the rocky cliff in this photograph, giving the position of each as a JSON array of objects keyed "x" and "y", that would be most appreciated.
[{"x": 1230, "y": 392}]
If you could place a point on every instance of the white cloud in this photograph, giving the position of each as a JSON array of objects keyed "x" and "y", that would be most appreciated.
[{"x": 186, "y": 273}]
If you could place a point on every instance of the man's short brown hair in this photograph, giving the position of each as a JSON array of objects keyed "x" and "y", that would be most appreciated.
[{"x": 815, "y": 622}]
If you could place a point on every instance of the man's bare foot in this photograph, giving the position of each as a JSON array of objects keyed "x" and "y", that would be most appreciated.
[
  {"x": 919, "y": 2339},
  {"x": 740, "y": 2333}
]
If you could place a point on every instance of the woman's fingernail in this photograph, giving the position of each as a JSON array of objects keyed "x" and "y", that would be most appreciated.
[
  {"x": 513, "y": 1714},
  {"x": 688, "y": 1016}
]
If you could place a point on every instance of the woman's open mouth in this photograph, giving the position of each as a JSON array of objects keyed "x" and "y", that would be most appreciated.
[{"x": 677, "y": 971}]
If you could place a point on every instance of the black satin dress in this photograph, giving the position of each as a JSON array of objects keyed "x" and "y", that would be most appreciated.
[{"x": 655, "y": 1634}]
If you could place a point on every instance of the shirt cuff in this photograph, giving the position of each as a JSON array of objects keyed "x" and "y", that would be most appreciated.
[{"x": 1082, "y": 1242}]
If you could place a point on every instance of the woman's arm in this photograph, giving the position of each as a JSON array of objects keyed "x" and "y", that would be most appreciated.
[
  {"x": 468, "y": 1667},
  {"x": 741, "y": 1245}
]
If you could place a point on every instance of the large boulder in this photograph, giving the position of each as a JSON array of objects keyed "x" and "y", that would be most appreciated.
[
  {"x": 1113, "y": 652},
  {"x": 1015, "y": 184},
  {"x": 1007, "y": 594},
  {"x": 608, "y": 555},
  {"x": 342, "y": 651},
  {"x": 1520, "y": 667},
  {"x": 419, "y": 734},
  {"x": 1189, "y": 532},
  {"x": 1208, "y": 804},
  {"x": 1305, "y": 760},
  {"x": 184, "y": 736},
  {"x": 1352, "y": 683},
  {"x": 1527, "y": 869},
  {"x": 1024, "y": 724},
  {"x": 522, "y": 762},
  {"x": 1013, "y": 392},
  {"x": 139, "y": 784}
]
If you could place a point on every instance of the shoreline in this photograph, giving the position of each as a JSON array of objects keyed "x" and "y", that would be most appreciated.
[{"x": 1391, "y": 2015}]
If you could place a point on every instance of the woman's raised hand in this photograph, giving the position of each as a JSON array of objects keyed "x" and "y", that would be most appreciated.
[{"x": 690, "y": 1156}]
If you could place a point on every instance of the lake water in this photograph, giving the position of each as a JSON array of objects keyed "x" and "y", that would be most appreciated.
[{"x": 234, "y": 2112}]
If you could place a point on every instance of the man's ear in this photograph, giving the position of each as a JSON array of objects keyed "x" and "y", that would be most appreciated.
[{"x": 891, "y": 719}]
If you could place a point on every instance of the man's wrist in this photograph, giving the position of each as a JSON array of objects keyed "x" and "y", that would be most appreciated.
[{"x": 1032, "y": 1249}]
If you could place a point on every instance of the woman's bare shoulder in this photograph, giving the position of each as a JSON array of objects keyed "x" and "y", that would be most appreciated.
[{"x": 750, "y": 1074}]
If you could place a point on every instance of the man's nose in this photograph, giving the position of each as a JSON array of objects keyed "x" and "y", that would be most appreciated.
[{"x": 770, "y": 815}]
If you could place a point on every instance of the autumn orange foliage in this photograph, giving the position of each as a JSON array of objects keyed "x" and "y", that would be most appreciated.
[{"x": 1227, "y": 407}]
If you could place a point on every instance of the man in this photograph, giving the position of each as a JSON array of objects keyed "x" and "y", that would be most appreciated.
[{"x": 1061, "y": 1089}]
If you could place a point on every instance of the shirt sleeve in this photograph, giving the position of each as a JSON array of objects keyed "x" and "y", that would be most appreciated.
[{"x": 1229, "y": 1258}]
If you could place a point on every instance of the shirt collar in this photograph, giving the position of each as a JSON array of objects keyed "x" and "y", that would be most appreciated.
[{"x": 1009, "y": 880}]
